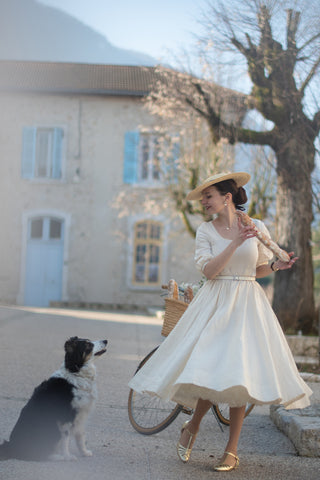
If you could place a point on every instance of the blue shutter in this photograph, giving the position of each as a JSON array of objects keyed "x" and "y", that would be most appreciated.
[
  {"x": 57, "y": 153},
  {"x": 131, "y": 150},
  {"x": 28, "y": 152}
]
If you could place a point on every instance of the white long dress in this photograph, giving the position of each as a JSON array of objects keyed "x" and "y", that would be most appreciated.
[{"x": 228, "y": 346}]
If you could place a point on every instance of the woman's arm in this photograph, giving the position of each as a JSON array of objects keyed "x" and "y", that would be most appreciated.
[{"x": 265, "y": 270}]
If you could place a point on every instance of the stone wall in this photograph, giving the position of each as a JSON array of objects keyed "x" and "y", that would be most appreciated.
[{"x": 303, "y": 346}]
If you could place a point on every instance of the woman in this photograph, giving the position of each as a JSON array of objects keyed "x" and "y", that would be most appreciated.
[{"x": 228, "y": 346}]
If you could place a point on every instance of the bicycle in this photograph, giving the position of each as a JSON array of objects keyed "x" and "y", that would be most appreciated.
[{"x": 150, "y": 414}]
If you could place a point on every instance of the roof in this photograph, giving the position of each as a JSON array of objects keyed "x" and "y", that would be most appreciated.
[
  {"x": 121, "y": 80},
  {"x": 54, "y": 77}
]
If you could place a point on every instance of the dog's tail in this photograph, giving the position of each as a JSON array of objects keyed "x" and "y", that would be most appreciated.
[{"x": 5, "y": 453}]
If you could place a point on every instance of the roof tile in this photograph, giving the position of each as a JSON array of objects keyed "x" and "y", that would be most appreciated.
[{"x": 76, "y": 78}]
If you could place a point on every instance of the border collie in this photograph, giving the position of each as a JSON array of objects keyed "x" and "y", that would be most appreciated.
[{"x": 58, "y": 408}]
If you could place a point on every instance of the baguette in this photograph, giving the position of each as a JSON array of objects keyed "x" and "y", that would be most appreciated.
[
  {"x": 188, "y": 295},
  {"x": 267, "y": 242},
  {"x": 173, "y": 290}
]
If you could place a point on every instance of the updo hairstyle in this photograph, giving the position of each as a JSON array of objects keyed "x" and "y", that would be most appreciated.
[{"x": 239, "y": 196}]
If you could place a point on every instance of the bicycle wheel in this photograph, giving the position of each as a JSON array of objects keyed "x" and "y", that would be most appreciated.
[
  {"x": 150, "y": 414},
  {"x": 222, "y": 412}
]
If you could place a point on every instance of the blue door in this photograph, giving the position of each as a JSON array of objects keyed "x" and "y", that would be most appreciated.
[{"x": 44, "y": 261}]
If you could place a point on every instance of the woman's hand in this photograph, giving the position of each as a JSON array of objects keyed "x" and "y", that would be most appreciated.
[
  {"x": 245, "y": 232},
  {"x": 280, "y": 265}
]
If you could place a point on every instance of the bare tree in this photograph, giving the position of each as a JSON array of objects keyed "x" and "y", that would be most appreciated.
[{"x": 280, "y": 43}]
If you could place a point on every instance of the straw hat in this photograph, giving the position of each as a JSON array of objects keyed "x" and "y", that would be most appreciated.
[{"x": 241, "y": 178}]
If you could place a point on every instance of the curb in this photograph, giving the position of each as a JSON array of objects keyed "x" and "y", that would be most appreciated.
[
  {"x": 302, "y": 427},
  {"x": 310, "y": 377}
]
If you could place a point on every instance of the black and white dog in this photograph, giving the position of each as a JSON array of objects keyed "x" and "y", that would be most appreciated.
[{"x": 58, "y": 408}]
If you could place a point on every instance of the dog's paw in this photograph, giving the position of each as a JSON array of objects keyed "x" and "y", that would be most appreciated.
[
  {"x": 70, "y": 457},
  {"x": 86, "y": 453}
]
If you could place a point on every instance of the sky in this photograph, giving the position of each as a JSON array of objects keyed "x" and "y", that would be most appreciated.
[{"x": 155, "y": 27}]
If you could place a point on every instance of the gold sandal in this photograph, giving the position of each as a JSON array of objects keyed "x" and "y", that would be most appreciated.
[
  {"x": 224, "y": 467},
  {"x": 185, "y": 452}
]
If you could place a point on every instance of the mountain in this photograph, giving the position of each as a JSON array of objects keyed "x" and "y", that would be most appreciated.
[{"x": 32, "y": 31}]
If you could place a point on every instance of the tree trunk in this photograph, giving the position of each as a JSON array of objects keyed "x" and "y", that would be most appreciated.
[{"x": 293, "y": 299}]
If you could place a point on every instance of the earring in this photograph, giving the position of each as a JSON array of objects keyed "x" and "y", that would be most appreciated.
[{"x": 225, "y": 204}]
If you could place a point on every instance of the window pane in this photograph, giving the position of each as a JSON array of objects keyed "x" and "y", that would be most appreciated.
[
  {"x": 43, "y": 152},
  {"x": 154, "y": 254},
  {"x": 139, "y": 276},
  {"x": 141, "y": 230},
  {"x": 150, "y": 158},
  {"x": 141, "y": 253},
  {"x": 155, "y": 231},
  {"x": 36, "y": 228},
  {"x": 153, "y": 273},
  {"x": 55, "y": 229},
  {"x": 156, "y": 160}
]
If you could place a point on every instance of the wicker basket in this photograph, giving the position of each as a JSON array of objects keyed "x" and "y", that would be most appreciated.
[{"x": 172, "y": 313}]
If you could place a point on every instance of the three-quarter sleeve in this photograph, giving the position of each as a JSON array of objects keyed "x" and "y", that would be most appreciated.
[
  {"x": 203, "y": 251},
  {"x": 264, "y": 254}
]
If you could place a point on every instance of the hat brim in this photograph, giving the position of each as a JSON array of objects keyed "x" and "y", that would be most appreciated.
[{"x": 241, "y": 178}]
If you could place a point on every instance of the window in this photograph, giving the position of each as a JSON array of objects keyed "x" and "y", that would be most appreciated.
[
  {"x": 147, "y": 253},
  {"x": 45, "y": 228},
  {"x": 42, "y": 153},
  {"x": 36, "y": 230},
  {"x": 149, "y": 159},
  {"x": 143, "y": 159},
  {"x": 55, "y": 229}
]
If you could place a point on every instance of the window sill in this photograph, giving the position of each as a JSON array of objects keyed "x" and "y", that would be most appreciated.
[
  {"x": 46, "y": 181},
  {"x": 146, "y": 288},
  {"x": 158, "y": 185}
]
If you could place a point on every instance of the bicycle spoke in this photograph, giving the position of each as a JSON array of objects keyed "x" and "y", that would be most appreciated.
[
  {"x": 222, "y": 412},
  {"x": 150, "y": 411}
]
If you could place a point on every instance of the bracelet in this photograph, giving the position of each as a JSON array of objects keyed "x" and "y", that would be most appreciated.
[{"x": 271, "y": 266}]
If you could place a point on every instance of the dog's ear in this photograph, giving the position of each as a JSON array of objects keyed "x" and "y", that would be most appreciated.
[
  {"x": 73, "y": 358},
  {"x": 70, "y": 344}
]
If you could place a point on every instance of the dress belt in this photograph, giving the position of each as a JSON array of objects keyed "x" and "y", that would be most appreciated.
[{"x": 234, "y": 277}]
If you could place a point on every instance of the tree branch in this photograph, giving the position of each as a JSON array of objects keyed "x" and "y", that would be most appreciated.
[
  {"x": 253, "y": 137},
  {"x": 187, "y": 223},
  {"x": 254, "y": 60},
  {"x": 215, "y": 119},
  {"x": 293, "y": 19},
  {"x": 240, "y": 47},
  {"x": 221, "y": 129},
  {"x": 232, "y": 133},
  {"x": 312, "y": 39},
  {"x": 309, "y": 76}
]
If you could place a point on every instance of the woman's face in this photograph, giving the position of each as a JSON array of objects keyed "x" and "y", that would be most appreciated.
[{"x": 212, "y": 200}]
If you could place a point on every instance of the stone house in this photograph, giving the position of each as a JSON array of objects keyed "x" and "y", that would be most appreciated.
[{"x": 85, "y": 216}]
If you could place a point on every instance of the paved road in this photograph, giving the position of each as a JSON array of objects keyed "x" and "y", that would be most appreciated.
[{"x": 31, "y": 348}]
